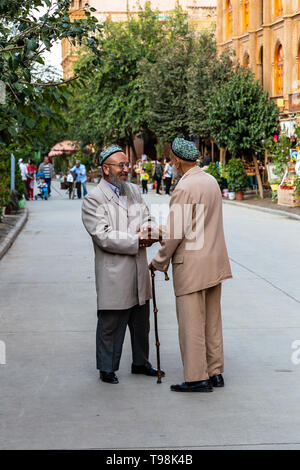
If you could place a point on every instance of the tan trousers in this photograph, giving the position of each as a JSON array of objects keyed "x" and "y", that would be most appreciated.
[{"x": 200, "y": 333}]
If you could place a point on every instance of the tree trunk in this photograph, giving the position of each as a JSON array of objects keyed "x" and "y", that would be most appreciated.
[
  {"x": 259, "y": 182},
  {"x": 131, "y": 145}
]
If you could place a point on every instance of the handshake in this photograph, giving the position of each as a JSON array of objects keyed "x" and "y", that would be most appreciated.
[{"x": 148, "y": 235}]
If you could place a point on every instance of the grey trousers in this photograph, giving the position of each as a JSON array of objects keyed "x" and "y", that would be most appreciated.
[{"x": 110, "y": 336}]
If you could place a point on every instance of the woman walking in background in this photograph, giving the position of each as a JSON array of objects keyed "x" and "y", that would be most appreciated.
[
  {"x": 168, "y": 174},
  {"x": 31, "y": 169}
]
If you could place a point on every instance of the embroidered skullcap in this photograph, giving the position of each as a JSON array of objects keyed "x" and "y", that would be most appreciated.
[
  {"x": 185, "y": 149},
  {"x": 108, "y": 152}
]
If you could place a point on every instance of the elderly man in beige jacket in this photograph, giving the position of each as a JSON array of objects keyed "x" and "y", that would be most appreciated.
[
  {"x": 118, "y": 220},
  {"x": 195, "y": 242}
]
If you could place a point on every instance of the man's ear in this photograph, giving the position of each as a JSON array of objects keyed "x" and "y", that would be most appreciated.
[{"x": 105, "y": 170}]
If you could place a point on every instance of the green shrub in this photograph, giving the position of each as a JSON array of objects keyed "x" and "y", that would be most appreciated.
[
  {"x": 6, "y": 197},
  {"x": 214, "y": 170},
  {"x": 237, "y": 176},
  {"x": 60, "y": 164},
  {"x": 297, "y": 187}
]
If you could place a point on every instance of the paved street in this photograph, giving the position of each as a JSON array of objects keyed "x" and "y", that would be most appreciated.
[{"x": 51, "y": 396}]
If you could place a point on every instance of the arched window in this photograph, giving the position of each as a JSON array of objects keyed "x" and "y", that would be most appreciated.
[
  {"x": 245, "y": 15},
  {"x": 228, "y": 19},
  {"x": 278, "y": 70},
  {"x": 278, "y": 8},
  {"x": 246, "y": 61}
]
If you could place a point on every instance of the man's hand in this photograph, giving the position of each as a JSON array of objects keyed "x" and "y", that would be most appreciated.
[
  {"x": 145, "y": 239},
  {"x": 151, "y": 267}
]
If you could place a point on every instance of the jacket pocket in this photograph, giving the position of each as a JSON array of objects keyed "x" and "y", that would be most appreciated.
[{"x": 177, "y": 259}]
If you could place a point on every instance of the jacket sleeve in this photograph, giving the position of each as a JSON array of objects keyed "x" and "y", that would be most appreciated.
[
  {"x": 96, "y": 221},
  {"x": 174, "y": 231}
]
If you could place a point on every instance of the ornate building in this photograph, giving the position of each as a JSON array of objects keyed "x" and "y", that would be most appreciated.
[
  {"x": 201, "y": 14},
  {"x": 265, "y": 35}
]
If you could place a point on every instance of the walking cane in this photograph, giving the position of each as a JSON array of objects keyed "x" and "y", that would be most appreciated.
[{"x": 155, "y": 310}]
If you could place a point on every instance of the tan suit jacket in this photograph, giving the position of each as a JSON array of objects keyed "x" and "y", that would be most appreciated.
[
  {"x": 121, "y": 268},
  {"x": 205, "y": 263}
]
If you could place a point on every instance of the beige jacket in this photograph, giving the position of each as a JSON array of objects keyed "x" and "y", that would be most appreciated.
[
  {"x": 199, "y": 261},
  {"x": 121, "y": 268}
]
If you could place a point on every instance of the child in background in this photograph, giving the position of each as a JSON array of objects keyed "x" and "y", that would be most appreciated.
[
  {"x": 144, "y": 180},
  {"x": 43, "y": 189}
]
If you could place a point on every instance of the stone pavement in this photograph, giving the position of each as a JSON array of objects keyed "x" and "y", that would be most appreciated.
[{"x": 51, "y": 396}]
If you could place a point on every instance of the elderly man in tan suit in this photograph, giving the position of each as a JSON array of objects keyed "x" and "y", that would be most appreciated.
[
  {"x": 195, "y": 242},
  {"x": 114, "y": 214}
]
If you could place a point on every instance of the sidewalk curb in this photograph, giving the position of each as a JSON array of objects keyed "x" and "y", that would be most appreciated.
[
  {"x": 10, "y": 238},
  {"x": 263, "y": 209}
]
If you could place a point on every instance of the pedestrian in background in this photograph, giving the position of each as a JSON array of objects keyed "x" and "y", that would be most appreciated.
[
  {"x": 31, "y": 172},
  {"x": 24, "y": 173},
  {"x": 81, "y": 179},
  {"x": 157, "y": 175},
  {"x": 168, "y": 174},
  {"x": 47, "y": 168},
  {"x": 144, "y": 180}
]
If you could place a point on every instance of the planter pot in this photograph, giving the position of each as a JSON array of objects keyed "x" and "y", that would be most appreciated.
[
  {"x": 274, "y": 187},
  {"x": 239, "y": 195},
  {"x": 231, "y": 195}
]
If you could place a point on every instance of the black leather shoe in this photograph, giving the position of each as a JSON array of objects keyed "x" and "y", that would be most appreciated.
[
  {"x": 146, "y": 369},
  {"x": 109, "y": 377},
  {"x": 217, "y": 380},
  {"x": 201, "y": 386}
]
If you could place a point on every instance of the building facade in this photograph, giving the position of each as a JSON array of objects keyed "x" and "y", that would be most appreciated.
[
  {"x": 201, "y": 15},
  {"x": 265, "y": 35}
]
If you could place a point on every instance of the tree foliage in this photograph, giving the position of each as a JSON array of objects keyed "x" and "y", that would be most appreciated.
[
  {"x": 241, "y": 115},
  {"x": 25, "y": 34},
  {"x": 111, "y": 106},
  {"x": 207, "y": 73},
  {"x": 165, "y": 86}
]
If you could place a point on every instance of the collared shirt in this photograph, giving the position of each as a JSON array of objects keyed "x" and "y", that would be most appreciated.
[
  {"x": 116, "y": 190},
  {"x": 24, "y": 171},
  {"x": 80, "y": 172},
  {"x": 168, "y": 171},
  {"x": 113, "y": 188}
]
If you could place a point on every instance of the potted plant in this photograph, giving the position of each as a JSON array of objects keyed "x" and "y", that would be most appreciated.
[
  {"x": 237, "y": 179},
  {"x": 149, "y": 167}
]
